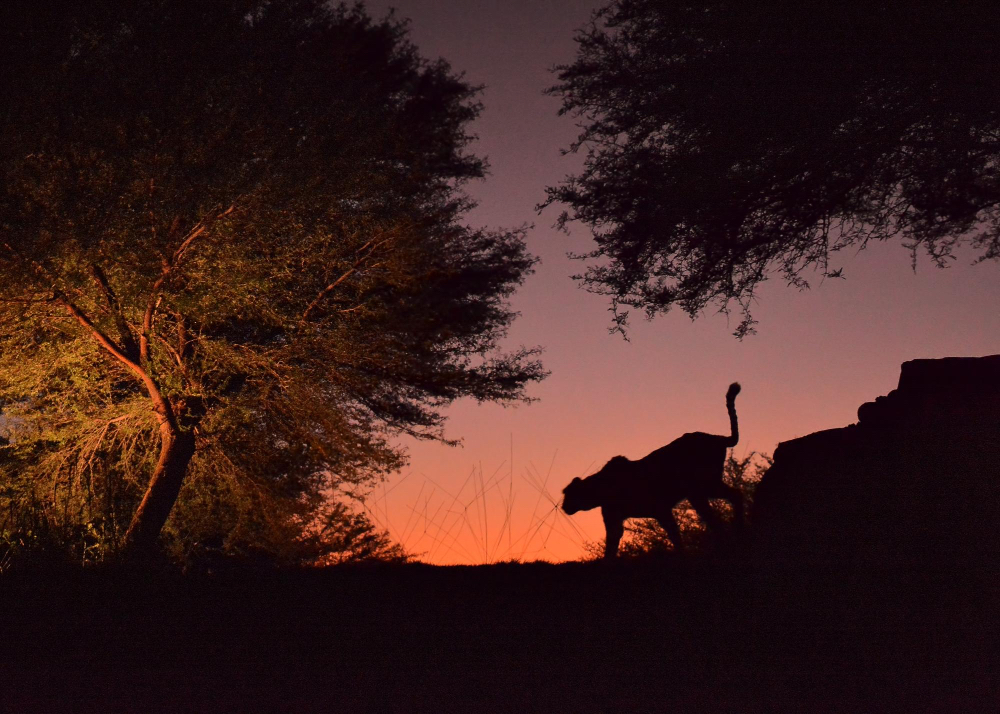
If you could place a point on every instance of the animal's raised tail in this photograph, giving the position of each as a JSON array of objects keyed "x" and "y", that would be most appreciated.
[{"x": 734, "y": 389}]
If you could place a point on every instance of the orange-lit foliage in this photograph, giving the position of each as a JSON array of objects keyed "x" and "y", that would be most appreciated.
[{"x": 235, "y": 266}]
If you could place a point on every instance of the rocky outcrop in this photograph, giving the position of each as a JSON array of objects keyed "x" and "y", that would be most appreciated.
[{"x": 915, "y": 483}]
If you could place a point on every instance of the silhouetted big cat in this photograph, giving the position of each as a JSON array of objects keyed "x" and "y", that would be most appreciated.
[{"x": 690, "y": 467}]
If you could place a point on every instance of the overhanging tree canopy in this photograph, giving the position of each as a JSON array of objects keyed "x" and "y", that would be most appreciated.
[
  {"x": 726, "y": 141},
  {"x": 234, "y": 262}
]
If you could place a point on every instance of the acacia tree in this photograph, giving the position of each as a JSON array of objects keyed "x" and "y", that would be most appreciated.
[
  {"x": 728, "y": 141},
  {"x": 234, "y": 260}
]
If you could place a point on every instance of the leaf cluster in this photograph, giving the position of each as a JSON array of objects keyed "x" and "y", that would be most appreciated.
[{"x": 726, "y": 141}]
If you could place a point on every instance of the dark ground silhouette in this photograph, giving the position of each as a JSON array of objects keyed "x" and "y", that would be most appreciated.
[{"x": 681, "y": 634}]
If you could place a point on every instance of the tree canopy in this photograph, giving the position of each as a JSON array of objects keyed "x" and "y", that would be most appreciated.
[
  {"x": 235, "y": 267},
  {"x": 728, "y": 141}
]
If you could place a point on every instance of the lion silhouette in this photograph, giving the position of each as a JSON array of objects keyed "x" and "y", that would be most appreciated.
[{"x": 689, "y": 467}]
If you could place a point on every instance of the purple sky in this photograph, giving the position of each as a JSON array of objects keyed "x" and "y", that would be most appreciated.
[{"x": 817, "y": 356}]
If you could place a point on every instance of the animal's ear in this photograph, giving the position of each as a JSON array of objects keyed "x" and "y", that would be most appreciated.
[{"x": 576, "y": 480}]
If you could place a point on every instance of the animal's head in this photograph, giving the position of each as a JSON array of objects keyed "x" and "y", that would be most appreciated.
[{"x": 587, "y": 493}]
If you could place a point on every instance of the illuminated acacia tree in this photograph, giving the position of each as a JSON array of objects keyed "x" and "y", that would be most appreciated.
[
  {"x": 729, "y": 141},
  {"x": 234, "y": 263}
]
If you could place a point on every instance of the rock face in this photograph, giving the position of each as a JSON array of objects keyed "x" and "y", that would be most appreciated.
[{"x": 915, "y": 484}]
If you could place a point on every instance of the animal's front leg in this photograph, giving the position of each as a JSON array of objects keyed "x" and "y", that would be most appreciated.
[{"x": 614, "y": 527}]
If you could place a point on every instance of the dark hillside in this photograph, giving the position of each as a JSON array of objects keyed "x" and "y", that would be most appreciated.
[
  {"x": 683, "y": 635},
  {"x": 913, "y": 487}
]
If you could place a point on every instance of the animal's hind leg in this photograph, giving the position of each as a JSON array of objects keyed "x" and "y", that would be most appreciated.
[
  {"x": 669, "y": 524},
  {"x": 708, "y": 516},
  {"x": 735, "y": 497},
  {"x": 614, "y": 527}
]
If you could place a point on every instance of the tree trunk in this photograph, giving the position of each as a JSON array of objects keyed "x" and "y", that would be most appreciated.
[
  {"x": 176, "y": 450},
  {"x": 176, "y": 445}
]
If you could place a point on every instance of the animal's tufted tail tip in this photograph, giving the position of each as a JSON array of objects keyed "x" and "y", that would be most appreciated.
[{"x": 734, "y": 389}]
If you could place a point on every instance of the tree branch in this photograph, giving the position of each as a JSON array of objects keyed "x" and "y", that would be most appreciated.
[
  {"x": 161, "y": 405},
  {"x": 179, "y": 360},
  {"x": 370, "y": 247},
  {"x": 182, "y": 336},
  {"x": 128, "y": 343},
  {"x": 168, "y": 267}
]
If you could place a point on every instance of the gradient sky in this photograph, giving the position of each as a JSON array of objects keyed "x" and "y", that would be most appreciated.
[{"x": 816, "y": 357}]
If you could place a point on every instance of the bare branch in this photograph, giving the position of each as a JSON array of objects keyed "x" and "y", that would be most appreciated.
[
  {"x": 182, "y": 336},
  {"x": 125, "y": 335},
  {"x": 367, "y": 249},
  {"x": 168, "y": 267},
  {"x": 178, "y": 360},
  {"x": 101, "y": 280},
  {"x": 161, "y": 405}
]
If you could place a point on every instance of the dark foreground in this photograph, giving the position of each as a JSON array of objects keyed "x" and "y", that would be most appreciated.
[{"x": 673, "y": 635}]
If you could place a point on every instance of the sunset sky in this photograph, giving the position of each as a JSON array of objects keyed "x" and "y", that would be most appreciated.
[{"x": 816, "y": 357}]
